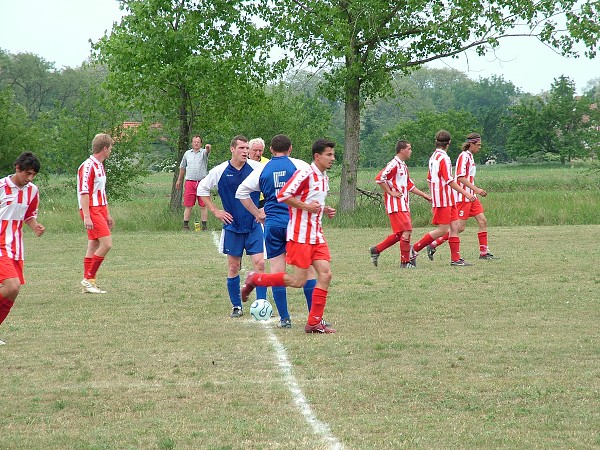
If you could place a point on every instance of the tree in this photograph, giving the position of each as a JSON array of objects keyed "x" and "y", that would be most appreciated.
[
  {"x": 186, "y": 63},
  {"x": 16, "y": 133},
  {"x": 362, "y": 43},
  {"x": 559, "y": 125}
]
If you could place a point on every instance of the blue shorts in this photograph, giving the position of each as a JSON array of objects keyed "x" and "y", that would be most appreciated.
[
  {"x": 234, "y": 244},
  {"x": 275, "y": 240}
]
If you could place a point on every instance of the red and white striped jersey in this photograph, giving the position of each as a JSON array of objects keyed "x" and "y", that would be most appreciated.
[
  {"x": 91, "y": 180},
  {"x": 465, "y": 167},
  {"x": 17, "y": 205},
  {"x": 395, "y": 175},
  {"x": 439, "y": 177},
  {"x": 307, "y": 185}
]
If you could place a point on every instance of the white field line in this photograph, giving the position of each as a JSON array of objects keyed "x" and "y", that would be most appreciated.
[{"x": 320, "y": 429}]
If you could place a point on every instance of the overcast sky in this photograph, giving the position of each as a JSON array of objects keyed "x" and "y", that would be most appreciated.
[{"x": 59, "y": 31}]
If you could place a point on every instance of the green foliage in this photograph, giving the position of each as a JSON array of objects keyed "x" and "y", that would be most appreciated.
[
  {"x": 557, "y": 126},
  {"x": 421, "y": 134},
  {"x": 16, "y": 134}
]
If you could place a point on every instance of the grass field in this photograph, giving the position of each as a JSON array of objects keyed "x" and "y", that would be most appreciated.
[{"x": 503, "y": 354}]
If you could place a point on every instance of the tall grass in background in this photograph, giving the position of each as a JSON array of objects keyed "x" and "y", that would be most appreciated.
[{"x": 518, "y": 195}]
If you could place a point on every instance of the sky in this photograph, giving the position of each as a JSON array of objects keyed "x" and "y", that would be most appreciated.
[{"x": 59, "y": 31}]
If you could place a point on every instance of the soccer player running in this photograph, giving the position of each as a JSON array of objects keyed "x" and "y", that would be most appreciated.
[
  {"x": 269, "y": 179},
  {"x": 395, "y": 182},
  {"x": 93, "y": 209},
  {"x": 240, "y": 231},
  {"x": 19, "y": 201},
  {"x": 305, "y": 194},
  {"x": 445, "y": 213},
  {"x": 465, "y": 175}
]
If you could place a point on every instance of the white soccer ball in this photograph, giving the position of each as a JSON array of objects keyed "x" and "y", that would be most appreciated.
[{"x": 261, "y": 309}]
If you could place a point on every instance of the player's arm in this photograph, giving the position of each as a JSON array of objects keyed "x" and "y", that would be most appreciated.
[
  {"x": 465, "y": 181},
  {"x": 85, "y": 209},
  {"x": 420, "y": 193},
  {"x": 31, "y": 217},
  {"x": 454, "y": 185}
]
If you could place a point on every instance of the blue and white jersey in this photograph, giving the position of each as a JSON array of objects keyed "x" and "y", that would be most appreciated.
[
  {"x": 269, "y": 179},
  {"x": 227, "y": 179}
]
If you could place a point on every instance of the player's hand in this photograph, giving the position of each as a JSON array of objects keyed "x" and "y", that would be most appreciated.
[
  {"x": 178, "y": 185},
  {"x": 313, "y": 207},
  {"x": 329, "y": 211},
  {"x": 481, "y": 192},
  {"x": 472, "y": 197},
  {"x": 224, "y": 216},
  {"x": 207, "y": 147},
  {"x": 87, "y": 223},
  {"x": 428, "y": 198},
  {"x": 261, "y": 216},
  {"x": 39, "y": 229},
  {"x": 110, "y": 222}
]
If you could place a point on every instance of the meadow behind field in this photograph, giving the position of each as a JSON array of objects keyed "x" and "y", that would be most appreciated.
[{"x": 503, "y": 354}]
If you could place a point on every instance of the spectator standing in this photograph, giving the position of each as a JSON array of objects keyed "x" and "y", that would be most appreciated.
[{"x": 193, "y": 168}]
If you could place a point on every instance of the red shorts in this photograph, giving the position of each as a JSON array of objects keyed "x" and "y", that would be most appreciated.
[
  {"x": 400, "y": 221},
  {"x": 302, "y": 255},
  {"x": 99, "y": 217},
  {"x": 469, "y": 209},
  {"x": 190, "y": 196},
  {"x": 10, "y": 268},
  {"x": 444, "y": 215}
]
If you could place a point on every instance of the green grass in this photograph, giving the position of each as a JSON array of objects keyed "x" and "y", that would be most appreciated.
[{"x": 503, "y": 354}]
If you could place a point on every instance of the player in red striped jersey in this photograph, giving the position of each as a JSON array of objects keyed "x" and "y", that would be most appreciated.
[
  {"x": 93, "y": 209},
  {"x": 445, "y": 213},
  {"x": 19, "y": 201},
  {"x": 395, "y": 182},
  {"x": 305, "y": 194},
  {"x": 465, "y": 175}
]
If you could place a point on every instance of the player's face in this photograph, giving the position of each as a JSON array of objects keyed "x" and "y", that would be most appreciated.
[
  {"x": 23, "y": 177},
  {"x": 196, "y": 143},
  {"x": 406, "y": 152},
  {"x": 475, "y": 147},
  {"x": 256, "y": 151},
  {"x": 325, "y": 160},
  {"x": 239, "y": 153}
]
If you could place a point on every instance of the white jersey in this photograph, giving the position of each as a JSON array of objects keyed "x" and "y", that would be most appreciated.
[{"x": 17, "y": 205}]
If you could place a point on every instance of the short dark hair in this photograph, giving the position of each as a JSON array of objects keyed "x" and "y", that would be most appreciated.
[
  {"x": 401, "y": 145},
  {"x": 281, "y": 143},
  {"x": 28, "y": 161},
  {"x": 442, "y": 139},
  {"x": 240, "y": 138},
  {"x": 320, "y": 145}
]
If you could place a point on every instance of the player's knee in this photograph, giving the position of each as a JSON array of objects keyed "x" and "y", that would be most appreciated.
[{"x": 11, "y": 289}]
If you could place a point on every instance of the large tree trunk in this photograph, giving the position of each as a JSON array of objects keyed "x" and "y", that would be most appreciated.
[
  {"x": 182, "y": 147},
  {"x": 351, "y": 151}
]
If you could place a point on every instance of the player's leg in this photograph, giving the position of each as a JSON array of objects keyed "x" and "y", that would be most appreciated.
[
  {"x": 203, "y": 214},
  {"x": 314, "y": 323},
  {"x": 11, "y": 279}
]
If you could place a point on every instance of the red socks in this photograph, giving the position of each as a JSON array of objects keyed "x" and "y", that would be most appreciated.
[
  {"x": 483, "y": 242},
  {"x": 269, "y": 279},
  {"x": 94, "y": 266},
  {"x": 424, "y": 242},
  {"x": 404, "y": 250},
  {"x": 317, "y": 307},
  {"x": 454, "y": 243},
  {"x": 387, "y": 243},
  {"x": 440, "y": 240},
  {"x": 5, "y": 305}
]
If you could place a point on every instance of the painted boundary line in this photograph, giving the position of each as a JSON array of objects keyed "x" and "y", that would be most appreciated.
[{"x": 320, "y": 429}]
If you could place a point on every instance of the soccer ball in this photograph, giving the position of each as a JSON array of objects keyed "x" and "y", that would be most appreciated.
[{"x": 261, "y": 309}]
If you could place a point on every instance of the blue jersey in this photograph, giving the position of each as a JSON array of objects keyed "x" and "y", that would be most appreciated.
[
  {"x": 227, "y": 179},
  {"x": 269, "y": 179}
]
